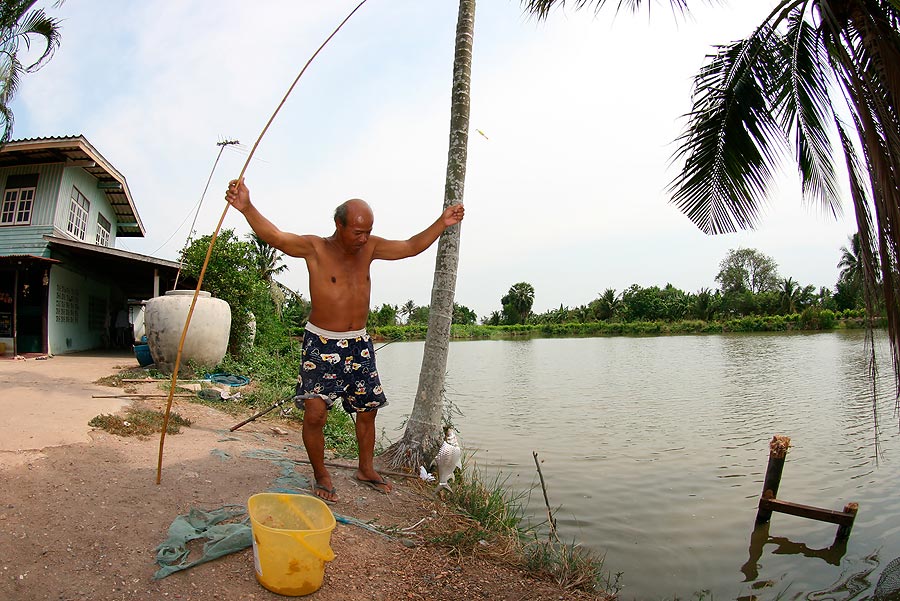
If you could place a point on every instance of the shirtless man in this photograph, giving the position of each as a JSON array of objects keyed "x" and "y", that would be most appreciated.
[{"x": 338, "y": 361}]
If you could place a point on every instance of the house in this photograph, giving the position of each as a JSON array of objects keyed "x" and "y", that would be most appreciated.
[{"x": 62, "y": 281}]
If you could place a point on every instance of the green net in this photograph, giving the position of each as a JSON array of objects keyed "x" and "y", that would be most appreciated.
[{"x": 223, "y": 535}]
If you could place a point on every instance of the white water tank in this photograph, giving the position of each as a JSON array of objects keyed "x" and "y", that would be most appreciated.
[{"x": 207, "y": 337}]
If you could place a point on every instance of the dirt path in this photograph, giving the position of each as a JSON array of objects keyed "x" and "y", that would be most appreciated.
[
  {"x": 48, "y": 403},
  {"x": 81, "y": 513}
]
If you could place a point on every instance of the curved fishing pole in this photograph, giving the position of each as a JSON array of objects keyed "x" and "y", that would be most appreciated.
[{"x": 187, "y": 321}]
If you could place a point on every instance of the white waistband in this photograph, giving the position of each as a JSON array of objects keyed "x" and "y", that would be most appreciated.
[{"x": 336, "y": 335}]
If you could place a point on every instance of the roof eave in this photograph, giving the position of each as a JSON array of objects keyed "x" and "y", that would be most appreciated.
[{"x": 88, "y": 149}]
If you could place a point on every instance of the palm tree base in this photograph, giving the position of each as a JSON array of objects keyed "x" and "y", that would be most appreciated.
[{"x": 410, "y": 452}]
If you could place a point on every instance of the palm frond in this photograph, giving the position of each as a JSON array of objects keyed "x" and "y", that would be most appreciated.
[
  {"x": 13, "y": 10},
  {"x": 732, "y": 141},
  {"x": 877, "y": 30},
  {"x": 10, "y": 70},
  {"x": 885, "y": 200},
  {"x": 6, "y": 124},
  {"x": 804, "y": 106},
  {"x": 18, "y": 25},
  {"x": 37, "y": 23},
  {"x": 542, "y": 8}
]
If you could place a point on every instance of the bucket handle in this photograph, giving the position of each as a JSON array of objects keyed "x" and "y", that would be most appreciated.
[{"x": 323, "y": 556}]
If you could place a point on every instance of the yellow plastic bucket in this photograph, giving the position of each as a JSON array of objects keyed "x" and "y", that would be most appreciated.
[{"x": 291, "y": 541}]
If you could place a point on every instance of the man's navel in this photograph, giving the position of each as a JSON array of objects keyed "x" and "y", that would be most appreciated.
[{"x": 333, "y": 280}]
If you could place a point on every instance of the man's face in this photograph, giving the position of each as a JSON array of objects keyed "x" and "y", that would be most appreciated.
[{"x": 355, "y": 234}]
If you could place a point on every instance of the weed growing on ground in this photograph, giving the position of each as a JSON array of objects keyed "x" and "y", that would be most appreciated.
[
  {"x": 340, "y": 434},
  {"x": 570, "y": 565},
  {"x": 138, "y": 422},
  {"x": 488, "y": 501}
]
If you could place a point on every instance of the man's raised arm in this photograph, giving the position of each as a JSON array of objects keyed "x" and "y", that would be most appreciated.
[
  {"x": 391, "y": 250},
  {"x": 238, "y": 196}
]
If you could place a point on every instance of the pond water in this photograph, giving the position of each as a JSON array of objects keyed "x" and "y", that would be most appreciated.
[{"x": 654, "y": 452}]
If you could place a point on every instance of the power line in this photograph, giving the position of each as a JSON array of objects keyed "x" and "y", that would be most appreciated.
[
  {"x": 196, "y": 205},
  {"x": 221, "y": 146}
]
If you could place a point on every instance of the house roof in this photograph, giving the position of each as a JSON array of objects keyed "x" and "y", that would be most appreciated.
[
  {"x": 76, "y": 151},
  {"x": 10, "y": 259},
  {"x": 97, "y": 251},
  {"x": 133, "y": 272}
]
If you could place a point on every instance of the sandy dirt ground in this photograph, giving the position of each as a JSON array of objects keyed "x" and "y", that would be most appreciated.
[{"x": 81, "y": 513}]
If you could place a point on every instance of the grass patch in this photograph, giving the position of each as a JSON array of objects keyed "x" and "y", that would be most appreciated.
[
  {"x": 259, "y": 395},
  {"x": 570, "y": 566},
  {"x": 139, "y": 422},
  {"x": 340, "y": 434},
  {"x": 488, "y": 502},
  {"x": 485, "y": 517}
]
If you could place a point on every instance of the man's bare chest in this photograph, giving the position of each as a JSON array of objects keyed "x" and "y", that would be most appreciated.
[{"x": 343, "y": 270}]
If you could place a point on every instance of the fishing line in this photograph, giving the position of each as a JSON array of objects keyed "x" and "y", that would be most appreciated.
[{"x": 240, "y": 178}]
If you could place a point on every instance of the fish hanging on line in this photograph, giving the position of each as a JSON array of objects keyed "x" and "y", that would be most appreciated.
[{"x": 448, "y": 459}]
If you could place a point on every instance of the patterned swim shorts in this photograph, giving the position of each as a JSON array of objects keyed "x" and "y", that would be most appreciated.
[{"x": 340, "y": 365}]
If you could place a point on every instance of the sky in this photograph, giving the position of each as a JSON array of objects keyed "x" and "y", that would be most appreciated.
[{"x": 573, "y": 126}]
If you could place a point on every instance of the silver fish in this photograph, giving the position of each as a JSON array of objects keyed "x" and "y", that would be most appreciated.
[{"x": 448, "y": 459}]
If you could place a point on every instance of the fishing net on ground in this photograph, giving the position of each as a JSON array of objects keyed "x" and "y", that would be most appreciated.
[{"x": 220, "y": 529}]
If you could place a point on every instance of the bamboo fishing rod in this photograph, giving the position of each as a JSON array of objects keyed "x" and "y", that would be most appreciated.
[{"x": 187, "y": 321}]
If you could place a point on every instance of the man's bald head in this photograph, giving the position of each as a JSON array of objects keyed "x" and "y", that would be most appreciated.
[{"x": 352, "y": 209}]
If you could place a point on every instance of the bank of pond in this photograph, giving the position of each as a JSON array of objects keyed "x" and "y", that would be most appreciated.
[{"x": 808, "y": 320}]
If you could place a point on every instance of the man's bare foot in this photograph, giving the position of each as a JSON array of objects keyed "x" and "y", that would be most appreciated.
[
  {"x": 373, "y": 481},
  {"x": 326, "y": 493}
]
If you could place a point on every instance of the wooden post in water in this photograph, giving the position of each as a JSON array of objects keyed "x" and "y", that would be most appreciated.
[
  {"x": 843, "y": 532},
  {"x": 778, "y": 448},
  {"x": 768, "y": 503}
]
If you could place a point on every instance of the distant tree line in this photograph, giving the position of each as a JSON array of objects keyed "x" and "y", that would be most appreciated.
[
  {"x": 410, "y": 314},
  {"x": 749, "y": 285},
  {"x": 243, "y": 273}
]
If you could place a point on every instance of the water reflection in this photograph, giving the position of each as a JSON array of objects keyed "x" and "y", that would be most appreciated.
[
  {"x": 760, "y": 537},
  {"x": 853, "y": 583},
  {"x": 654, "y": 450}
]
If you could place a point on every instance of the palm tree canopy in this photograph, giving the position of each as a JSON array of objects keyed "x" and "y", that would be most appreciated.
[
  {"x": 266, "y": 258},
  {"x": 542, "y": 8},
  {"x": 19, "y": 24},
  {"x": 520, "y": 297},
  {"x": 851, "y": 262}
]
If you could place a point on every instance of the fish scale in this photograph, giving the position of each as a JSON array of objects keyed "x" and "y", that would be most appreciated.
[{"x": 448, "y": 458}]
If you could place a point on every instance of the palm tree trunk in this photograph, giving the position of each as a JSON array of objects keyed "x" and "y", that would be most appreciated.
[{"x": 423, "y": 430}]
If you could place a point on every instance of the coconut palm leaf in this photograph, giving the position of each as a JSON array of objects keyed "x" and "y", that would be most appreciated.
[
  {"x": 19, "y": 24},
  {"x": 541, "y": 8},
  {"x": 31, "y": 24},
  {"x": 265, "y": 258},
  {"x": 732, "y": 141},
  {"x": 804, "y": 102},
  {"x": 851, "y": 263},
  {"x": 859, "y": 196}
]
